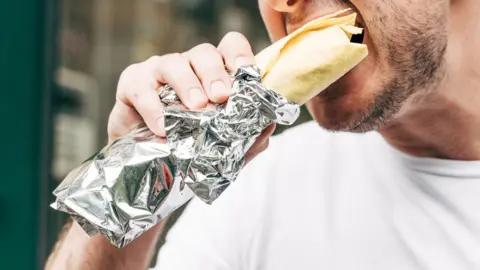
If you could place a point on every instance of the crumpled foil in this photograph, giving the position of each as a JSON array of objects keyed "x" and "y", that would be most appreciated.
[{"x": 138, "y": 180}]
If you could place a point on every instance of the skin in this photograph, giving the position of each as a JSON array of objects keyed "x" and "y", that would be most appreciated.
[
  {"x": 419, "y": 84},
  {"x": 419, "y": 87}
]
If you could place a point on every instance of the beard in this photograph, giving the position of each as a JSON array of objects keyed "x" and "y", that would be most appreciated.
[{"x": 408, "y": 46}]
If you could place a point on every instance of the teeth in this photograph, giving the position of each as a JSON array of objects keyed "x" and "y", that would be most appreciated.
[{"x": 359, "y": 37}]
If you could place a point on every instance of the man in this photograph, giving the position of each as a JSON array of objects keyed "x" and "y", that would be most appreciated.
[{"x": 398, "y": 188}]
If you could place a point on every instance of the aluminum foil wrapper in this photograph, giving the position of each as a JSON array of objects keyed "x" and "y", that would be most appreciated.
[{"x": 138, "y": 180}]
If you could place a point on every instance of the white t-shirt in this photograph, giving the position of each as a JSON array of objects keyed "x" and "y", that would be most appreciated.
[{"x": 334, "y": 201}]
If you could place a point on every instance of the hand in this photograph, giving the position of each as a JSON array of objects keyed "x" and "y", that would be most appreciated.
[{"x": 198, "y": 77}]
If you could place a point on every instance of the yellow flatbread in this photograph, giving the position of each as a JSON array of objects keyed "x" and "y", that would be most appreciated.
[{"x": 307, "y": 61}]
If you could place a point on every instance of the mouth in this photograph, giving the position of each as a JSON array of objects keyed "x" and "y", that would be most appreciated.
[
  {"x": 359, "y": 38},
  {"x": 358, "y": 23},
  {"x": 338, "y": 89},
  {"x": 341, "y": 105}
]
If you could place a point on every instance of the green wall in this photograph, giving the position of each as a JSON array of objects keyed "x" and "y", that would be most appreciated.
[{"x": 24, "y": 92}]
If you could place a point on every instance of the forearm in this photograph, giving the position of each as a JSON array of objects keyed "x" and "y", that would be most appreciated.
[{"x": 75, "y": 251}]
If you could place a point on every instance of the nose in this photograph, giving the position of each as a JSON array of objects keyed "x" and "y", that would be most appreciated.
[{"x": 284, "y": 6}]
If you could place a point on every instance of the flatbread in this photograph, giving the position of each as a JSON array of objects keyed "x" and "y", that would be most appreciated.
[{"x": 307, "y": 61}]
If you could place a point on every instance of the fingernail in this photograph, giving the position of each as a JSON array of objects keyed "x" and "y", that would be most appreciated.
[
  {"x": 197, "y": 97},
  {"x": 242, "y": 61},
  {"x": 219, "y": 89}
]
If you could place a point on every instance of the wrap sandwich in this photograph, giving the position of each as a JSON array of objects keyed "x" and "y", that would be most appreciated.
[{"x": 307, "y": 61}]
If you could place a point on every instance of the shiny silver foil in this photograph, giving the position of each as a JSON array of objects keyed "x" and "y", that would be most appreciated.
[{"x": 138, "y": 180}]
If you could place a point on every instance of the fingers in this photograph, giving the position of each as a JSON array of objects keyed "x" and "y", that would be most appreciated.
[
  {"x": 136, "y": 96},
  {"x": 122, "y": 120},
  {"x": 198, "y": 77},
  {"x": 236, "y": 51},
  {"x": 207, "y": 63},
  {"x": 175, "y": 70}
]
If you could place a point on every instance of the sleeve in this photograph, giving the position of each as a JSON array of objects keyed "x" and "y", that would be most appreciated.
[{"x": 216, "y": 237}]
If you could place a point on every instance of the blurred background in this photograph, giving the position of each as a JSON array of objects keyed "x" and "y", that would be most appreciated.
[{"x": 60, "y": 61}]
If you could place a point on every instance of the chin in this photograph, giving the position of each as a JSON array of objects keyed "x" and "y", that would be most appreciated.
[
  {"x": 353, "y": 103},
  {"x": 356, "y": 112}
]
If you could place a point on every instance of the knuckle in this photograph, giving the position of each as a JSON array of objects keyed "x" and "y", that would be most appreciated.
[
  {"x": 169, "y": 59},
  {"x": 236, "y": 38},
  {"x": 233, "y": 35},
  {"x": 135, "y": 96},
  {"x": 174, "y": 57},
  {"x": 205, "y": 47},
  {"x": 176, "y": 61},
  {"x": 129, "y": 70},
  {"x": 126, "y": 78},
  {"x": 154, "y": 59}
]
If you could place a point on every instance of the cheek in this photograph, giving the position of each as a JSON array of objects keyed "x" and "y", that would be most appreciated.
[
  {"x": 347, "y": 102},
  {"x": 396, "y": 29}
]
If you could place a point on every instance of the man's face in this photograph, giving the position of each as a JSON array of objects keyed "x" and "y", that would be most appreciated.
[{"x": 407, "y": 41}]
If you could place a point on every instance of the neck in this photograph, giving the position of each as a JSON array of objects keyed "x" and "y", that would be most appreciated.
[
  {"x": 441, "y": 129},
  {"x": 444, "y": 122}
]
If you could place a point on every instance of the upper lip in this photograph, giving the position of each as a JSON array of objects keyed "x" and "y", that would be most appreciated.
[{"x": 292, "y": 27}]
